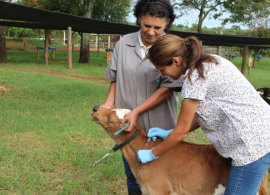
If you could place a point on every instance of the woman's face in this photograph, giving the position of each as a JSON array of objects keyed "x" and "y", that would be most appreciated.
[
  {"x": 173, "y": 70},
  {"x": 151, "y": 28}
]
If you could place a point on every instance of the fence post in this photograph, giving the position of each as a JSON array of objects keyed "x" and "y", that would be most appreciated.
[
  {"x": 98, "y": 43},
  {"x": 46, "y": 51},
  {"x": 255, "y": 57},
  {"x": 69, "y": 49},
  {"x": 249, "y": 66},
  {"x": 38, "y": 53},
  {"x": 24, "y": 43}
]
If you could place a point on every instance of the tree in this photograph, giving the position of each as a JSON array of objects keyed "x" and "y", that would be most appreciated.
[
  {"x": 260, "y": 24},
  {"x": 3, "y": 52},
  {"x": 85, "y": 39},
  {"x": 241, "y": 11},
  {"x": 235, "y": 27},
  {"x": 113, "y": 11}
]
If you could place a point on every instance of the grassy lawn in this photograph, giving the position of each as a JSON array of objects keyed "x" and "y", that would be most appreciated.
[{"x": 46, "y": 132}]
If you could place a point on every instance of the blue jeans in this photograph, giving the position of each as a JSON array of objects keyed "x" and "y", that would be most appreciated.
[
  {"x": 131, "y": 181},
  {"x": 246, "y": 180}
]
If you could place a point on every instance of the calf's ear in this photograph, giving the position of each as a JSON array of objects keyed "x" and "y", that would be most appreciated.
[
  {"x": 127, "y": 123},
  {"x": 95, "y": 108}
]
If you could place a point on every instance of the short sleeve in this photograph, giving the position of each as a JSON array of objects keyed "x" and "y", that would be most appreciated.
[
  {"x": 111, "y": 70},
  {"x": 196, "y": 89},
  {"x": 170, "y": 83}
]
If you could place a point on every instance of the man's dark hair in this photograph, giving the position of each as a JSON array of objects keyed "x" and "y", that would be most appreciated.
[{"x": 154, "y": 8}]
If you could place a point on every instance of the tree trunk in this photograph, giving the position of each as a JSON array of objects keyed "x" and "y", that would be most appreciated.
[
  {"x": 255, "y": 57},
  {"x": 3, "y": 52},
  {"x": 200, "y": 24},
  {"x": 84, "y": 52},
  {"x": 201, "y": 17},
  {"x": 50, "y": 36},
  {"x": 85, "y": 39},
  {"x": 245, "y": 59}
]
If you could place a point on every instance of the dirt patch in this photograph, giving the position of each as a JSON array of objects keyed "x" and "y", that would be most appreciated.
[
  {"x": 14, "y": 40},
  {"x": 3, "y": 89},
  {"x": 21, "y": 48},
  {"x": 59, "y": 73}
]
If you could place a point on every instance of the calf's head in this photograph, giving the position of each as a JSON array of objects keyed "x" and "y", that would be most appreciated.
[{"x": 109, "y": 119}]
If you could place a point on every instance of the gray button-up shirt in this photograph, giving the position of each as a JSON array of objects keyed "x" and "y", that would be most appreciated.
[{"x": 136, "y": 80}]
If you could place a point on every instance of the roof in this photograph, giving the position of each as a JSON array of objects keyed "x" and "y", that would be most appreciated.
[
  {"x": 44, "y": 19},
  {"x": 31, "y": 17}
]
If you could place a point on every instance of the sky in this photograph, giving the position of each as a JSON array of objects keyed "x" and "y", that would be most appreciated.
[{"x": 193, "y": 18}]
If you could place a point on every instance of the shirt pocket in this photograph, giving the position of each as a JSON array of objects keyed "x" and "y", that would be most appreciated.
[
  {"x": 153, "y": 80},
  {"x": 266, "y": 158}
]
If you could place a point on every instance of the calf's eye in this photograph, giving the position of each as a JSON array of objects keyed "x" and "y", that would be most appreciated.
[{"x": 109, "y": 119}]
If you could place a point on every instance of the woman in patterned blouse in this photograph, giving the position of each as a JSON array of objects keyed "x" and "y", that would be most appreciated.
[{"x": 219, "y": 99}]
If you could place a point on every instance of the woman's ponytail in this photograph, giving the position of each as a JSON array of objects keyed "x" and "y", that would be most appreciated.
[{"x": 195, "y": 56}]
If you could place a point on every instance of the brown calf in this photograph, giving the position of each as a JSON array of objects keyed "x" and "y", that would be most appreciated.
[{"x": 187, "y": 169}]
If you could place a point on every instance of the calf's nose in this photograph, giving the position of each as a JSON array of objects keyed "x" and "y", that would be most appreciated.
[{"x": 95, "y": 108}]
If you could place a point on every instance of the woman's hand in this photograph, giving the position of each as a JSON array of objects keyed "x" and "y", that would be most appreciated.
[
  {"x": 158, "y": 132},
  {"x": 132, "y": 118},
  {"x": 145, "y": 156}
]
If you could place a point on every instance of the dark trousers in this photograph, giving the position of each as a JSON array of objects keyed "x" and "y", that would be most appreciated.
[{"x": 131, "y": 181}]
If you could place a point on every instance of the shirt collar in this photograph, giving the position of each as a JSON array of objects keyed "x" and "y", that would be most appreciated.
[{"x": 140, "y": 39}]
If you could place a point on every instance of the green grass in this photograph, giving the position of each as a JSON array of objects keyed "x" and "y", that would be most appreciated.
[
  {"x": 46, "y": 132},
  {"x": 259, "y": 75},
  {"x": 27, "y": 60}
]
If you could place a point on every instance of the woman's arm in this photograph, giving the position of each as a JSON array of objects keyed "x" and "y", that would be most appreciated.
[
  {"x": 185, "y": 124},
  {"x": 155, "y": 99},
  {"x": 194, "y": 125}
]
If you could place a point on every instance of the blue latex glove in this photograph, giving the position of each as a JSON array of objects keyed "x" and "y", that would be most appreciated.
[
  {"x": 145, "y": 156},
  {"x": 158, "y": 132}
]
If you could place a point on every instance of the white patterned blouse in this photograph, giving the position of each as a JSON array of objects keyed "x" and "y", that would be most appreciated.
[{"x": 231, "y": 113}]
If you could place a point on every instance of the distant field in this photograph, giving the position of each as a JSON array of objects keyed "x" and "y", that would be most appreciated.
[{"x": 46, "y": 132}]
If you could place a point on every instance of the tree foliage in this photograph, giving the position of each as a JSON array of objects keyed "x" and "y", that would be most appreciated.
[
  {"x": 21, "y": 32},
  {"x": 234, "y": 30},
  {"x": 113, "y": 10},
  {"x": 74, "y": 7},
  {"x": 241, "y": 11}
]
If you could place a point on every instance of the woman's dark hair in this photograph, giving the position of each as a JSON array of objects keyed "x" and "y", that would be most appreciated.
[
  {"x": 154, "y": 8},
  {"x": 166, "y": 47}
]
